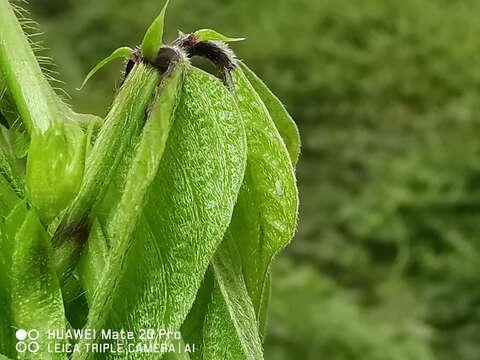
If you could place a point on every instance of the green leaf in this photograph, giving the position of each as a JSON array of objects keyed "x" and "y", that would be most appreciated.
[
  {"x": 31, "y": 294},
  {"x": 8, "y": 197},
  {"x": 212, "y": 35},
  {"x": 36, "y": 296},
  {"x": 120, "y": 53},
  {"x": 187, "y": 210},
  {"x": 9, "y": 201},
  {"x": 231, "y": 329},
  {"x": 94, "y": 258},
  {"x": 282, "y": 119},
  {"x": 265, "y": 215},
  {"x": 263, "y": 222},
  {"x": 152, "y": 41}
]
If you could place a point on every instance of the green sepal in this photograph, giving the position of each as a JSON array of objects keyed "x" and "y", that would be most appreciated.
[
  {"x": 123, "y": 52},
  {"x": 152, "y": 41},
  {"x": 10, "y": 167},
  {"x": 212, "y": 35}
]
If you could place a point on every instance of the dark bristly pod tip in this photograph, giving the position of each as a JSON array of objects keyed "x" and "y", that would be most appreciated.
[
  {"x": 163, "y": 61},
  {"x": 215, "y": 51},
  {"x": 166, "y": 56},
  {"x": 218, "y": 52},
  {"x": 136, "y": 58}
]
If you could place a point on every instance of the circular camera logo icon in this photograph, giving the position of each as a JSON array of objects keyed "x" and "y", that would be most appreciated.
[{"x": 27, "y": 340}]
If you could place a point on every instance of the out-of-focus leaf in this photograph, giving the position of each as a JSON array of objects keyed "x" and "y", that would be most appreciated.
[
  {"x": 8, "y": 202},
  {"x": 36, "y": 295},
  {"x": 282, "y": 119}
]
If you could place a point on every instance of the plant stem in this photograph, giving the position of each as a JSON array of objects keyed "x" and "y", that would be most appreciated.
[{"x": 35, "y": 99}]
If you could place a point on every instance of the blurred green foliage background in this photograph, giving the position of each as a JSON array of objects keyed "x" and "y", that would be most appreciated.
[{"x": 386, "y": 262}]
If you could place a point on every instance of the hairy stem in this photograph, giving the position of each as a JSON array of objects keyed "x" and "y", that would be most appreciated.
[{"x": 34, "y": 97}]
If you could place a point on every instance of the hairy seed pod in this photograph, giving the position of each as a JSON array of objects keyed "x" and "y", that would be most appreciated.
[{"x": 138, "y": 178}]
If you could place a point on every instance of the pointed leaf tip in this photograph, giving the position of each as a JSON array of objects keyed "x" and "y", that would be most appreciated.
[
  {"x": 152, "y": 41},
  {"x": 212, "y": 35},
  {"x": 122, "y": 52}
]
